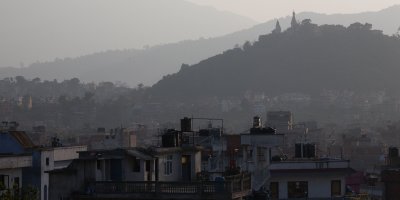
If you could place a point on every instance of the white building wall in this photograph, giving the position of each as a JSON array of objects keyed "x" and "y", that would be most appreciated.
[
  {"x": 57, "y": 157},
  {"x": 11, "y": 174},
  {"x": 309, "y": 164},
  {"x": 176, "y": 174},
  {"x": 196, "y": 164},
  {"x": 11, "y": 162},
  {"x": 319, "y": 186},
  {"x": 68, "y": 153},
  {"x": 45, "y": 176},
  {"x": 130, "y": 175}
]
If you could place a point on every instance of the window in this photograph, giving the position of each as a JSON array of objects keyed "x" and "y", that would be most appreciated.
[
  {"x": 98, "y": 164},
  {"x": 336, "y": 188},
  {"x": 147, "y": 165},
  {"x": 16, "y": 186},
  {"x": 2, "y": 180},
  {"x": 274, "y": 188},
  {"x": 168, "y": 165},
  {"x": 45, "y": 192},
  {"x": 47, "y": 161},
  {"x": 135, "y": 164},
  {"x": 298, "y": 189}
]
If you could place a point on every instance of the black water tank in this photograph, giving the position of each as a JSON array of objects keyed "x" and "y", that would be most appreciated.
[
  {"x": 186, "y": 124},
  {"x": 256, "y": 122}
]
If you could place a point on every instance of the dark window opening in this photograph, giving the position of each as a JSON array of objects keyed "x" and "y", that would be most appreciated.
[
  {"x": 147, "y": 165},
  {"x": 336, "y": 188},
  {"x": 47, "y": 161},
  {"x": 16, "y": 186},
  {"x": 135, "y": 165},
  {"x": 274, "y": 189},
  {"x": 298, "y": 189},
  {"x": 98, "y": 164},
  {"x": 2, "y": 182}
]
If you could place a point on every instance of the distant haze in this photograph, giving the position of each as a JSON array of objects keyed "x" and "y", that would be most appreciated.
[
  {"x": 263, "y": 10},
  {"x": 42, "y": 30},
  {"x": 149, "y": 65}
]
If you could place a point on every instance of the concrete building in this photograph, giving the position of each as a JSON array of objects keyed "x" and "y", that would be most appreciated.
[
  {"x": 98, "y": 166},
  {"x": 257, "y": 147},
  {"x": 11, "y": 170},
  {"x": 53, "y": 158},
  {"x": 311, "y": 179},
  {"x": 170, "y": 171},
  {"x": 15, "y": 156},
  {"x": 178, "y": 164}
]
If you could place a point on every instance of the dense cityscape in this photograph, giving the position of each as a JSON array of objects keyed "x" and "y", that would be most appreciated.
[{"x": 299, "y": 110}]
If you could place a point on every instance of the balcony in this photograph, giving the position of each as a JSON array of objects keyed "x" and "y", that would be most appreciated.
[{"x": 233, "y": 187}]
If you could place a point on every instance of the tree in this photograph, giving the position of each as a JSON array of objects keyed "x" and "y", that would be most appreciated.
[
  {"x": 140, "y": 86},
  {"x": 277, "y": 29},
  {"x": 246, "y": 45},
  {"x": 306, "y": 22},
  {"x": 15, "y": 193},
  {"x": 20, "y": 79},
  {"x": 184, "y": 66}
]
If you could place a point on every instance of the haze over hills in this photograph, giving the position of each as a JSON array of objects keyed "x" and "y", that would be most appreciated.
[
  {"x": 305, "y": 59},
  {"x": 75, "y": 28},
  {"x": 150, "y": 65}
]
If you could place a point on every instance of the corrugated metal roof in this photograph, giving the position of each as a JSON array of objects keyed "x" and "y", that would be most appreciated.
[{"x": 22, "y": 138}]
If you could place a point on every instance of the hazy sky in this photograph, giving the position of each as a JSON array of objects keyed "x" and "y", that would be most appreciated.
[
  {"x": 45, "y": 29},
  {"x": 263, "y": 10}
]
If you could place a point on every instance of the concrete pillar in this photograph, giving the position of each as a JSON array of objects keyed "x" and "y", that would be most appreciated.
[
  {"x": 245, "y": 158},
  {"x": 255, "y": 157}
]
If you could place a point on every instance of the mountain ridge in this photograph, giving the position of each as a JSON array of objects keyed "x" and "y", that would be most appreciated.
[
  {"x": 149, "y": 65},
  {"x": 307, "y": 59}
]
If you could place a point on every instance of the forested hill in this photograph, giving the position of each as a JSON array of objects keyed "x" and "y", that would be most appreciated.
[
  {"x": 305, "y": 58},
  {"x": 147, "y": 66}
]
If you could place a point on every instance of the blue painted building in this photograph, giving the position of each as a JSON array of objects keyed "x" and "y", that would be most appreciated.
[{"x": 17, "y": 146}]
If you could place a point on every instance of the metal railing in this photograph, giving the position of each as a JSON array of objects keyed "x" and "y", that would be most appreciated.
[{"x": 231, "y": 184}]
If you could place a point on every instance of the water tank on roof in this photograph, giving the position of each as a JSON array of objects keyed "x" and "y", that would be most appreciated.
[
  {"x": 186, "y": 124},
  {"x": 256, "y": 122}
]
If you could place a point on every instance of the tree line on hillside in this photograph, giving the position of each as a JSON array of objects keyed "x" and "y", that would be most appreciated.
[
  {"x": 69, "y": 103},
  {"x": 306, "y": 58}
]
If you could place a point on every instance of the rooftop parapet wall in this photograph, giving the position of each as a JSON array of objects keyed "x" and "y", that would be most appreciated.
[
  {"x": 262, "y": 140},
  {"x": 12, "y": 162},
  {"x": 310, "y": 164}
]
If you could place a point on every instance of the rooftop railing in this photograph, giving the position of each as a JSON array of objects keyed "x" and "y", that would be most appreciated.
[{"x": 231, "y": 184}]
